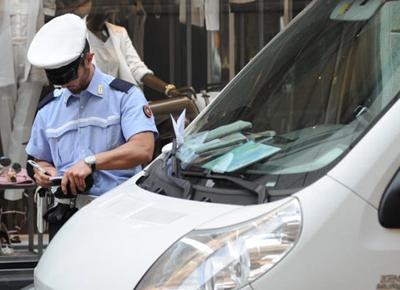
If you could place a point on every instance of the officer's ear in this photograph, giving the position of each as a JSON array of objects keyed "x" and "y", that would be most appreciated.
[{"x": 89, "y": 58}]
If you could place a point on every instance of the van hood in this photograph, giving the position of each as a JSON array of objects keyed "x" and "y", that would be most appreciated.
[{"x": 98, "y": 247}]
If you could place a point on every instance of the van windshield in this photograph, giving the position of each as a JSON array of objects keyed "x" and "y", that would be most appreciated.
[
  {"x": 294, "y": 111},
  {"x": 306, "y": 98}
]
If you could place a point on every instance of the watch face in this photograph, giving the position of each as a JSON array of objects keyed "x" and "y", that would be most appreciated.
[{"x": 90, "y": 159}]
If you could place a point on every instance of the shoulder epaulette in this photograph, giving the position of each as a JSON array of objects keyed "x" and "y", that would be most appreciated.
[
  {"x": 121, "y": 85},
  {"x": 47, "y": 99}
]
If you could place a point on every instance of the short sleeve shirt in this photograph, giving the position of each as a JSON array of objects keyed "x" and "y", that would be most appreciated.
[{"x": 101, "y": 118}]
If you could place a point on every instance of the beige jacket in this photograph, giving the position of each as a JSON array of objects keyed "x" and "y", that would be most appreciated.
[{"x": 131, "y": 67}]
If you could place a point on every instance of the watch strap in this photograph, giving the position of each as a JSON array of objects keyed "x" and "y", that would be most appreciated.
[
  {"x": 93, "y": 167},
  {"x": 91, "y": 161}
]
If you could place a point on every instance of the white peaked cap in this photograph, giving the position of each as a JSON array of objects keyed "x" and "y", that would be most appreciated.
[{"x": 58, "y": 43}]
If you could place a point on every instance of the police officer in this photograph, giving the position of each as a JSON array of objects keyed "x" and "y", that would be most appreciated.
[{"x": 93, "y": 123}]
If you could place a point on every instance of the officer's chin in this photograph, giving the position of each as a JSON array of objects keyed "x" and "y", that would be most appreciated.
[{"x": 74, "y": 90}]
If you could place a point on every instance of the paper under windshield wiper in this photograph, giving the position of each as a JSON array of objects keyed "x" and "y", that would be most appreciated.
[{"x": 241, "y": 156}]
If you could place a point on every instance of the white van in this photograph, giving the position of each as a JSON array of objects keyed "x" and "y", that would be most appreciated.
[{"x": 288, "y": 180}]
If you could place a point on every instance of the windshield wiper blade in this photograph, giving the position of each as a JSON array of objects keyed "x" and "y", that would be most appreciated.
[
  {"x": 279, "y": 139},
  {"x": 252, "y": 186},
  {"x": 176, "y": 174}
]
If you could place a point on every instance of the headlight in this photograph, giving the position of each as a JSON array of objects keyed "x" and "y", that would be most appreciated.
[{"x": 229, "y": 257}]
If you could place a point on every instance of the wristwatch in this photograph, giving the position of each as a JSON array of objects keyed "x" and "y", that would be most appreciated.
[
  {"x": 91, "y": 161},
  {"x": 168, "y": 88}
]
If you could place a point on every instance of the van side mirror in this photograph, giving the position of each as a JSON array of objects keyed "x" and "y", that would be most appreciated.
[{"x": 389, "y": 206}]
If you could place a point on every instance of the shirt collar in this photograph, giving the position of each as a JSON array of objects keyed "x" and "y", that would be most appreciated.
[{"x": 95, "y": 88}]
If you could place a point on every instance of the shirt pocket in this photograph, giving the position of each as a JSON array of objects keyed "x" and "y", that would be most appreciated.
[
  {"x": 101, "y": 134},
  {"x": 62, "y": 143}
]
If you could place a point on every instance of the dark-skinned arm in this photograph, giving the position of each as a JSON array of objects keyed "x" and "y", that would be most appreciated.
[{"x": 157, "y": 84}]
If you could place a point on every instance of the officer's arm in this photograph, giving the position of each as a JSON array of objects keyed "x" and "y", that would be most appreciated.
[{"x": 136, "y": 151}]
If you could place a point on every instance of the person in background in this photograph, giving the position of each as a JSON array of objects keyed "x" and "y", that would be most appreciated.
[
  {"x": 113, "y": 49},
  {"x": 95, "y": 124},
  {"x": 20, "y": 83}
]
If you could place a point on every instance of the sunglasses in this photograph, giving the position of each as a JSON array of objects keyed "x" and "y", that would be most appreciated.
[{"x": 65, "y": 74}]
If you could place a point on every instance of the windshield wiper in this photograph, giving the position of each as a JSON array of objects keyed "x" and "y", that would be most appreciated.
[
  {"x": 279, "y": 139},
  {"x": 254, "y": 187},
  {"x": 177, "y": 174}
]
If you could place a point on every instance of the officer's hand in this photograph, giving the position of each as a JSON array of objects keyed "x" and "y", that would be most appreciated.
[
  {"x": 42, "y": 179},
  {"x": 74, "y": 177}
]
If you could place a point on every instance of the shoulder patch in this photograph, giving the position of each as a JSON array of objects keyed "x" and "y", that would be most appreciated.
[
  {"x": 147, "y": 111},
  {"x": 121, "y": 85},
  {"x": 47, "y": 99}
]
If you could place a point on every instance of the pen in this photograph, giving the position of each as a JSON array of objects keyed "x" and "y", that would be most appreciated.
[{"x": 38, "y": 167}]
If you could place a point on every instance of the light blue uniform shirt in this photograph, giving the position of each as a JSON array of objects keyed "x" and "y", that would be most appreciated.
[{"x": 99, "y": 119}]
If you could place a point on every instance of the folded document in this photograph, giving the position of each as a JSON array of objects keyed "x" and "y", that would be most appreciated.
[{"x": 241, "y": 156}]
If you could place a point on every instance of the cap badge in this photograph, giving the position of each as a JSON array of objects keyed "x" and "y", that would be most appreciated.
[
  {"x": 100, "y": 89},
  {"x": 147, "y": 111}
]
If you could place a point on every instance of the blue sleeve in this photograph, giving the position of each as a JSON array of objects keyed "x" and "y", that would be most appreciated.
[
  {"x": 133, "y": 117},
  {"x": 38, "y": 145}
]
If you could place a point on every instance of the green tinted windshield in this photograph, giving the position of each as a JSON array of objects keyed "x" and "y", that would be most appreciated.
[{"x": 311, "y": 93}]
